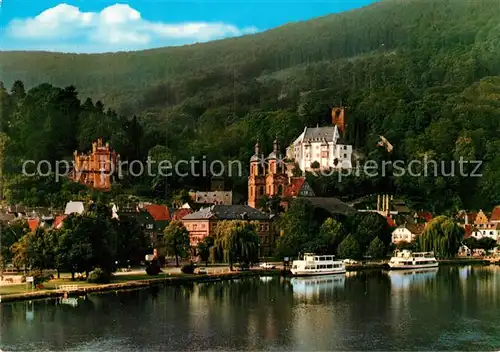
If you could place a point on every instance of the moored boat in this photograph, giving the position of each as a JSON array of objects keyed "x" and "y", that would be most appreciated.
[
  {"x": 312, "y": 265},
  {"x": 406, "y": 260}
]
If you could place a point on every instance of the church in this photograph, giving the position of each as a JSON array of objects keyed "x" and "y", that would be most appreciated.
[{"x": 272, "y": 176}]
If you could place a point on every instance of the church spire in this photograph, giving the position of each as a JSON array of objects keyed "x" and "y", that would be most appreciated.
[{"x": 257, "y": 149}]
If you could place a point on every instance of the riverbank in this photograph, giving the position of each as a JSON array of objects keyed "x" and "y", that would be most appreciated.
[
  {"x": 127, "y": 282},
  {"x": 84, "y": 288}
]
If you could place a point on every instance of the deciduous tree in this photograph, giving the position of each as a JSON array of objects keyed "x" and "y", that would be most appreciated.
[{"x": 176, "y": 240}]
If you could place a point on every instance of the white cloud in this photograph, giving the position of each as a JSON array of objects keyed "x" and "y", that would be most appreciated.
[{"x": 118, "y": 26}]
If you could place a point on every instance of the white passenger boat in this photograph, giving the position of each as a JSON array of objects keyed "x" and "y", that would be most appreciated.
[
  {"x": 406, "y": 259},
  {"x": 312, "y": 265}
]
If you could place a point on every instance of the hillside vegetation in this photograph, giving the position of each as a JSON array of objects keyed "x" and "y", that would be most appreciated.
[{"x": 424, "y": 73}]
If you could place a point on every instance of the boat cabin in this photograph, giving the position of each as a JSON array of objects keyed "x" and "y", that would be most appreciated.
[{"x": 309, "y": 257}]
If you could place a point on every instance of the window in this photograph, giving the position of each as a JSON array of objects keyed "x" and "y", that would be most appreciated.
[
  {"x": 345, "y": 155},
  {"x": 149, "y": 226}
]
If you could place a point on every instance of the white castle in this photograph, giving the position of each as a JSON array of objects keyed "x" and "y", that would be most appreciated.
[{"x": 322, "y": 145}]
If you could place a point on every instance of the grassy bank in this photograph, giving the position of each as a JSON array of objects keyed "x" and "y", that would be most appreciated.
[{"x": 123, "y": 282}]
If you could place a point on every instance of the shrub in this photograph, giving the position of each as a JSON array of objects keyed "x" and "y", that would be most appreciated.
[
  {"x": 99, "y": 276},
  {"x": 153, "y": 269},
  {"x": 188, "y": 269},
  {"x": 39, "y": 278}
]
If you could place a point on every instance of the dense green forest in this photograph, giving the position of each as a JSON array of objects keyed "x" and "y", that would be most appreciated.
[{"x": 423, "y": 73}]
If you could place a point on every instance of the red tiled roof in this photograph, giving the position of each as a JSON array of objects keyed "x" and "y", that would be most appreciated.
[
  {"x": 33, "y": 224},
  {"x": 391, "y": 222},
  {"x": 179, "y": 214},
  {"x": 158, "y": 212},
  {"x": 58, "y": 221},
  {"x": 495, "y": 215},
  {"x": 294, "y": 187},
  {"x": 425, "y": 215}
]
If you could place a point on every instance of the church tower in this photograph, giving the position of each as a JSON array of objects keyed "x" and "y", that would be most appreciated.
[
  {"x": 276, "y": 178},
  {"x": 256, "y": 179}
]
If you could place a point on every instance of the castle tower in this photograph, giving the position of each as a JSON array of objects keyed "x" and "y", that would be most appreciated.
[
  {"x": 338, "y": 118},
  {"x": 256, "y": 179}
]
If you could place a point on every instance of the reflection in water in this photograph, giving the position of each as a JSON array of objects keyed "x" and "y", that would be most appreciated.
[
  {"x": 452, "y": 308},
  {"x": 409, "y": 279},
  {"x": 310, "y": 288}
]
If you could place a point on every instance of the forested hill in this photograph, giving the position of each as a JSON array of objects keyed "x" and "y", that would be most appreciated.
[
  {"x": 378, "y": 29},
  {"x": 424, "y": 73}
]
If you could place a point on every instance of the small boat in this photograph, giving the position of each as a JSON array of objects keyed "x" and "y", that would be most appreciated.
[
  {"x": 406, "y": 259},
  {"x": 313, "y": 265}
]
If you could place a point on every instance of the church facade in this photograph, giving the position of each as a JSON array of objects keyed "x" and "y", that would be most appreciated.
[{"x": 271, "y": 176}]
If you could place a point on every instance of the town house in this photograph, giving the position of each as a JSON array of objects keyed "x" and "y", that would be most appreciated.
[
  {"x": 407, "y": 232},
  {"x": 203, "y": 223}
]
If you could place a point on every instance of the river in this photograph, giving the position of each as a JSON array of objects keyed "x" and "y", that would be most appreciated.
[{"x": 450, "y": 308}]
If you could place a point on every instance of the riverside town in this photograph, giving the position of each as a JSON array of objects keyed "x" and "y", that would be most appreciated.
[{"x": 227, "y": 176}]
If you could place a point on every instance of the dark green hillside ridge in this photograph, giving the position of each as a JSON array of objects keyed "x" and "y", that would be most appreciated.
[
  {"x": 119, "y": 77},
  {"x": 431, "y": 89}
]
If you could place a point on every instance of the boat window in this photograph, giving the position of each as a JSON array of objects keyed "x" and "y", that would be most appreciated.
[
  {"x": 329, "y": 266},
  {"x": 316, "y": 258}
]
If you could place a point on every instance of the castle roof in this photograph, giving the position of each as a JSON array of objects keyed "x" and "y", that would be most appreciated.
[{"x": 317, "y": 134}]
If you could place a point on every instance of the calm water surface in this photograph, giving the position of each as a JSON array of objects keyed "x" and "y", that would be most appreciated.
[{"x": 450, "y": 308}]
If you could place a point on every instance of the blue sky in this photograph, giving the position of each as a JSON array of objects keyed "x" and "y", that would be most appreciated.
[{"x": 100, "y": 26}]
